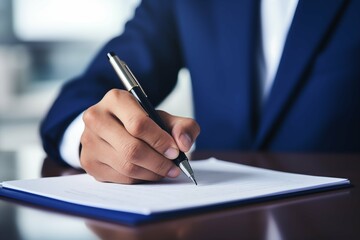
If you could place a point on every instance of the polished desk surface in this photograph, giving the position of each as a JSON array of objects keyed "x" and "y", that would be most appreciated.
[{"x": 332, "y": 214}]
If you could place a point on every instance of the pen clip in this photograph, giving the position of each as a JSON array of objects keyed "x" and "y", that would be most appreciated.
[{"x": 133, "y": 78}]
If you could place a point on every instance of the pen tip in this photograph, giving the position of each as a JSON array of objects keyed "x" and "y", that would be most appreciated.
[{"x": 193, "y": 179}]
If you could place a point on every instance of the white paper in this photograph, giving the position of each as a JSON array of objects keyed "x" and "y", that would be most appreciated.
[{"x": 218, "y": 182}]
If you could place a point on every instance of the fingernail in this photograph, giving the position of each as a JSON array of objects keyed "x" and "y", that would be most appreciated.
[
  {"x": 174, "y": 172},
  {"x": 186, "y": 140},
  {"x": 171, "y": 153}
]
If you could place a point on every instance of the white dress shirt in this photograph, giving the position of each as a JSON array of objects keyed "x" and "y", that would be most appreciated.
[{"x": 276, "y": 18}]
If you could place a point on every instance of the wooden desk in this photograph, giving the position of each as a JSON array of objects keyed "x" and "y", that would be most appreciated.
[{"x": 328, "y": 215}]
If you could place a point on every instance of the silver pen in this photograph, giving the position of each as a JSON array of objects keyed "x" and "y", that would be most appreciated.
[{"x": 132, "y": 85}]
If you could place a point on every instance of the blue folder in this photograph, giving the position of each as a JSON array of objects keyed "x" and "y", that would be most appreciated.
[{"x": 132, "y": 218}]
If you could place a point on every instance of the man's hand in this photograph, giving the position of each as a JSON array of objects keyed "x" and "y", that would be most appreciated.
[{"x": 122, "y": 144}]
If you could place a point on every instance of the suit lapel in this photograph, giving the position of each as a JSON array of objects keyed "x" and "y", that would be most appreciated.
[{"x": 311, "y": 24}]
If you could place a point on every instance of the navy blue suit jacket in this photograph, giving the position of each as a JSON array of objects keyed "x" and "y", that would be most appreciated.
[{"x": 314, "y": 105}]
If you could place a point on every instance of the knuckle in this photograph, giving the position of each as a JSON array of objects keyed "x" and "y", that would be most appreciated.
[
  {"x": 112, "y": 94},
  {"x": 116, "y": 95},
  {"x": 133, "y": 151},
  {"x": 90, "y": 116},
  {"x": 86, "y": 139},
  {"x": 88, "y": 165},
  {"x": 130, "y": 169},
  {"x": 137, "y": 125},
  {"x": 193, "y": 123},
  {"x": 194, "y": 126},
  {"x": 92, "y": 119},
  {"x": 161, "y": 143},
  {"x": 198, "y": 127}
]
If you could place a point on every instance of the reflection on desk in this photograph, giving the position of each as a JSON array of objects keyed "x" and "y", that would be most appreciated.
[
  {"x": 329, "y": 215},
  {"x": 21, "y": 221}
]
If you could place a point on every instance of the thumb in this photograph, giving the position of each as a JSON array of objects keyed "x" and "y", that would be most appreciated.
[{"x": 183, "y": 130}]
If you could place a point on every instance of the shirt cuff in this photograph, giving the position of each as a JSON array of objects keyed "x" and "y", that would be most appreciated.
[{"x": 70, "y": 143}]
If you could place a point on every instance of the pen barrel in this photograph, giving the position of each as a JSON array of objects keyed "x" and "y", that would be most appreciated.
[
  {"x": 148, "y": 107},
  {"x": 153, "y": 114}
]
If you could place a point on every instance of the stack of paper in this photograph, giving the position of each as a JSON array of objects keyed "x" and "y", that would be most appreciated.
[{"x": 219, "y": 183}]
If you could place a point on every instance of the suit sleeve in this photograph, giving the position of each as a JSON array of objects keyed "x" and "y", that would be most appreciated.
[{"x": 149, "y": 45}]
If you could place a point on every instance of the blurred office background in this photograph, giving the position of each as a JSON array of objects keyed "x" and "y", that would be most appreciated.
[{"x": 44, "y": 43}]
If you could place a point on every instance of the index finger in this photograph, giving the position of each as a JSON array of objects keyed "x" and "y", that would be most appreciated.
[{"x": 136, "y": 121}]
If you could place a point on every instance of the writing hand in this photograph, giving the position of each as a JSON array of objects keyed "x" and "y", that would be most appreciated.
[{"x": 122, "y": 144}]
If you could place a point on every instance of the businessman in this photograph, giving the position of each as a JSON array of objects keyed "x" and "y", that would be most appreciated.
[{"x": 270, "y": 75}]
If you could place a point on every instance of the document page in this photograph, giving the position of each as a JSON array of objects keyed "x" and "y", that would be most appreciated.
[{"x": 218, "y": 182}]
